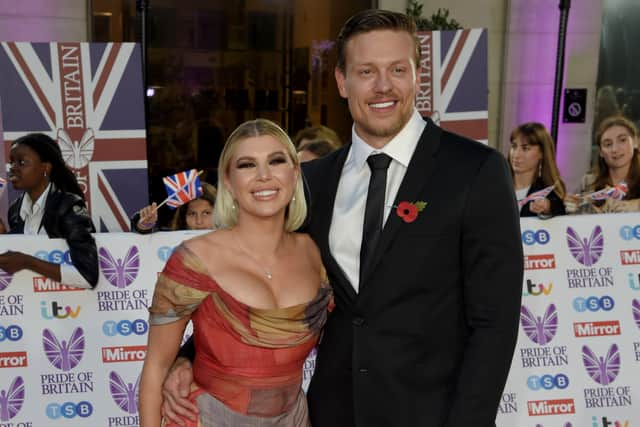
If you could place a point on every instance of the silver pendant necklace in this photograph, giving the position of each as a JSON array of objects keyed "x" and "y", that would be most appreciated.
[{"x": 268, "y": 272}]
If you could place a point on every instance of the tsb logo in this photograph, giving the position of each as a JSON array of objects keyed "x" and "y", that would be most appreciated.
[
  {"x": 629, "y": 233},
  {"x": 164, "y": 252},
  {"x": 548, "y": 382},
  {"x": 605, "y": 303},
  {"x": 69, "y": 410},
  {"x": 531, "y": 237},
  {"x": 125, "y": 327},
  {"x": 55, "y": 256},
  {"x": 11, "y": 333}
]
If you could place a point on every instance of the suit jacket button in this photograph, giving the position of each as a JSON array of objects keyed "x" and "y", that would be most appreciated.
[
  {"x": 363, "y": 371},
  {"x": 358, "y": 321}
]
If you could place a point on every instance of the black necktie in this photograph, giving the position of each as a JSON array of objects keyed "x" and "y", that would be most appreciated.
[{"x": 374, "y": 210}]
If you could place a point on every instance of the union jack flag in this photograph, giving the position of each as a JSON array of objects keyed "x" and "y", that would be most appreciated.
[
  {"x": 182, "y": 187},
  {"x": 540, "y": 194},
  {"x": 454, "y": 81},
  {"x": 618, "y": 192},
  {"x": 88, "y": 97},
  {"x": 3, "y": 182}
]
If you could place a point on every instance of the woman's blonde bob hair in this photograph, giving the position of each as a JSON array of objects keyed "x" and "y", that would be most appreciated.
[{"x": 225, "y": 209}]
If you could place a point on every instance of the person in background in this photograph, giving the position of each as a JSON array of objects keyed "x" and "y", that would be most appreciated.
[
  {"x": 51, "y": 204},
  {"x": 618, "y": 163},
  {"x": 533, "y": 166},
  {"x": 315, "y": 149},
  {"x": 194, "y": 215},
  {"x": 306, "y": 135},
  {"x": 256, "y": 290}
]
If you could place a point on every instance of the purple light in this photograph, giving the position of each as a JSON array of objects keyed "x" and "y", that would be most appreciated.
[{"x": 150, "y": 92}]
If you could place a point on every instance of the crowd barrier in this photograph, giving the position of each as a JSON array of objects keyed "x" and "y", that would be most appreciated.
[{"x": 73, "y": 357}]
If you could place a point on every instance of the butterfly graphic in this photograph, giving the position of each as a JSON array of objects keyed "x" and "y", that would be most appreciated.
[
  {"x": 64, "y": 355},
  {"x": 11, "y": 401},
  {"x": 636, "y": 311},
  {"x": 76, "y": 155},
  {"x": 5, "y": 279},
  {"x": 120, "y": 273},
  {"x": 602, "y": 370},
  {"x": 586, "y": 252},
  {"x": 540, "y": 330},
  {"x": 125, "y": 395}
]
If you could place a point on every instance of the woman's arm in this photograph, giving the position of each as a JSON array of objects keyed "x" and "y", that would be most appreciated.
[
  {"x": 12, "y": 262},
  {"x": 162, "y": 347}
]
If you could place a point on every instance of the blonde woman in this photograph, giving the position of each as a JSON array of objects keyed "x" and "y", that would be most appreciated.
[{"x": 256, "y": 291}]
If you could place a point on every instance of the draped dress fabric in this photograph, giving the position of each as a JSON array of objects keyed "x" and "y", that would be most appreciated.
[{"x": 248, "y": 363}]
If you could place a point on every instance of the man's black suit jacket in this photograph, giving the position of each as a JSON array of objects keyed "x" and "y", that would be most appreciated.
[{"x": 429, "y": 338}]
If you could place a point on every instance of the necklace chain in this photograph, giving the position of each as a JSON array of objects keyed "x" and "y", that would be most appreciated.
[{"x": 268, "y": 272}]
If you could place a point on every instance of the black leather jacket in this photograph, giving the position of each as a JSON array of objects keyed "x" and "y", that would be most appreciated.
[{"x": 65, "y": 217}]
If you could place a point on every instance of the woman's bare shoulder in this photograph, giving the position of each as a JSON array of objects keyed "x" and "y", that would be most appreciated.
[{"x": 206, "y": 244}]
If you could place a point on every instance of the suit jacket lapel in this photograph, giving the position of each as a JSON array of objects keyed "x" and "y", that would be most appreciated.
[
  {"x": 420, "y": 169},
  {"x": 324, "y": 211}
]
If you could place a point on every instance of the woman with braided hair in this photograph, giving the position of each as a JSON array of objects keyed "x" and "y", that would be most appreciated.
[{"x": 51, "y": 204}]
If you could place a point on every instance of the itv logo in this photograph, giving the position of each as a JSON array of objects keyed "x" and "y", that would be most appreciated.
[
  {"x": 604, "y": 422},
  {"x": 57, "y": 311}
]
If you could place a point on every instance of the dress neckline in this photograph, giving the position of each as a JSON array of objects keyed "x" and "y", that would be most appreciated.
[{"x": 322, "y": 290}]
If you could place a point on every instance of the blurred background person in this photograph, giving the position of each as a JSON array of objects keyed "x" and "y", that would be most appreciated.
[
  {"x": 51, "y": 204},
  {"x": 194, "y": 215},
  {"x": 314, "y": 149},
  {"x": 618, "y": 163},
  {"x": 533, "y": 167},
  {"x": 307, "y": 135}
]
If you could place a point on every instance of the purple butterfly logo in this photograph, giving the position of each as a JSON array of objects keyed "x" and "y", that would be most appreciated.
[
  {"x": 11, "y": 400},
  {"x": 121, "y": 272},
  {"x": 125, "y": 395},
  {"x": 64, "y": 355},
  {"x": 635, "y": 307},
  {"x": 586, "y": 252},
  {"x": 540, "y": 330},
  {"x": 5, "y": 279},
  {"x": 602, "y": 370}
]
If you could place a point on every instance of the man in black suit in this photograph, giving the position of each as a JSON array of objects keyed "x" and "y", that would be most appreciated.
[{"x": 419, "y": 231}]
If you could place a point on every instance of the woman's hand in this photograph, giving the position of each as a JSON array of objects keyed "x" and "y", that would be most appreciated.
[
  {"x": 572, "y": 203},
  {"x": 540, "y": 206},
  {"x": 148, "y": 217}
]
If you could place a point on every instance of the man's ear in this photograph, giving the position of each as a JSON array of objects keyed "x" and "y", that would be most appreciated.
[{"x": 340, "y": 81}]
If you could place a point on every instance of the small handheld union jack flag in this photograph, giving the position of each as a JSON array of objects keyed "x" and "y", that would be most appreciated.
[
  {"x": 541, "y": 194},
  {"x": 182, "y": 188},
  {"x": 3, "y": 183},
  {"x": 618, "y": 192}
]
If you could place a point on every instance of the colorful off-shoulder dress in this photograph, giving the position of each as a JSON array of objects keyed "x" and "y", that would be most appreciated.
[{"x": 248, "y": 363}]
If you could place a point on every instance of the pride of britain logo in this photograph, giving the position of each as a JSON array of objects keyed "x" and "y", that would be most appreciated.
[
  {"x": 64, "y": 355},
  {"x": 120, "y": 272},
  {"x": 11, "y": 399},
  {"x": 125, "y": 396},
  {"x": 604, "y": 369},
  {"x": 5, "y": 279},
  {"x": 540, "y": 330},
  {"x": 588, "y": 251}
]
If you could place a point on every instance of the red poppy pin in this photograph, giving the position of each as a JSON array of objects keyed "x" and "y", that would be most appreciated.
[{"x": 409, "y": 211}]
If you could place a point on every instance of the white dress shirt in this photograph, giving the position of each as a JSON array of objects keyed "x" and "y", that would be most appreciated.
[
  {"x": 345, "y": 233},
  {"x": 32, "y": 213}
]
